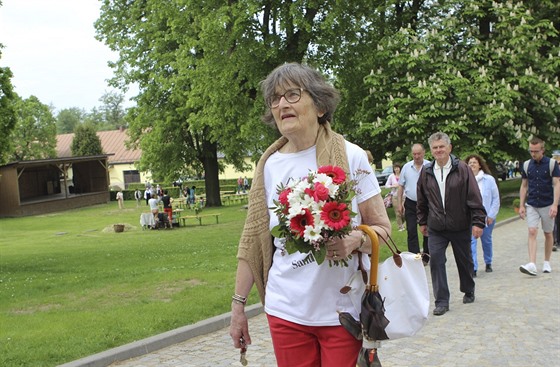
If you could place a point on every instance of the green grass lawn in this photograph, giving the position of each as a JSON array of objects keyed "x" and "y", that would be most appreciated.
[{"x": 71, "y": 287}]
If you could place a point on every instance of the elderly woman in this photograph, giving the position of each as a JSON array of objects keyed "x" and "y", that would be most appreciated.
[
  {"x": 300, "y": 297},
  {"x": 491, "y": 202}
]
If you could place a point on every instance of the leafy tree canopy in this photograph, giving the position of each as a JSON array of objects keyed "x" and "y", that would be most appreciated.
[
  {"x": 7, "y": 113},
  {"x": 484, "y": 72},
  {"x": 34, "y": 136},
  {"x": 68, "y": 119},
  {"x": 86, "y": 142}
]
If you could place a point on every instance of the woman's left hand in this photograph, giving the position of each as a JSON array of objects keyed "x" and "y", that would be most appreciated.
[{"x": 341, "y": 248}]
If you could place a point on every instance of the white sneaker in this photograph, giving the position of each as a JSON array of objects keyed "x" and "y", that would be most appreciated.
[
  {"x": 529, "y": 269},
  {"x": 546, "y": 267}
]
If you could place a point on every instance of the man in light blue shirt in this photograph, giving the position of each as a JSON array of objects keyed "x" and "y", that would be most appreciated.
[{"x": 407, "y": 191}]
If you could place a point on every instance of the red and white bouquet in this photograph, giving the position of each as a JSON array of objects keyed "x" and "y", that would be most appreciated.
[{"x": 314, "y": 210}]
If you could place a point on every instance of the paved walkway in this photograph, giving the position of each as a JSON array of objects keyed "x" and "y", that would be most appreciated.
[{"x": 515, "y": 321}]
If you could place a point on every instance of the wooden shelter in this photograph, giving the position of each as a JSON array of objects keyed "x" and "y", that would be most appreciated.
[{"x": 50, "y": 185}]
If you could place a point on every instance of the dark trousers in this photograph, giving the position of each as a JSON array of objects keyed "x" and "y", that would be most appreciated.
[
  {"x": 461, "y": 245},
  {"x": 412, "y": 228}
]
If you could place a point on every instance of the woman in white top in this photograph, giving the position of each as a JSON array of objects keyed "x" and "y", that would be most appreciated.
[
  {"x": 491, "y": 201},
  {"x": 393, "y": 184},
  {"x": 302, "y": 298}
]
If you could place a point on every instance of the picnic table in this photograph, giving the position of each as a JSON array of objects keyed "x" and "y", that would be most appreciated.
[
  {"x": 180, "y": 202},
  {"x": 199, "y": 217},
  {"x": 235, "y": 199}
]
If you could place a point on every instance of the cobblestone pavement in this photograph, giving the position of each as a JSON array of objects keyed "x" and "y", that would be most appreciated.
[{"x": 515, "y": 321}]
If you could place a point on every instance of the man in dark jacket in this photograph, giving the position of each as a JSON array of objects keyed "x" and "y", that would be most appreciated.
[{"x": 449, "y": 209}]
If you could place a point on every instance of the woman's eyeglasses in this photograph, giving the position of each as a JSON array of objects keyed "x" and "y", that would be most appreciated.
[{"x": 291, "y": 96}]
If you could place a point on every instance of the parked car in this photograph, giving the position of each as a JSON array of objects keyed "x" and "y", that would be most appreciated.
[
  {"x": 383, "y": 175},
  {"x": 501, "y": 171}
]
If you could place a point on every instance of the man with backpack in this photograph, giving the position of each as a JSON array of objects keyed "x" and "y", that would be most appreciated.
[{"x": 539, "y": 195}]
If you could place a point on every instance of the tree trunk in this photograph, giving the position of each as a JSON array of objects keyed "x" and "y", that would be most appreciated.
[{"x": 211, "y": 174}]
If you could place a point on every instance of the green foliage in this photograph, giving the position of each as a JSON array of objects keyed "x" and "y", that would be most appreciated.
[
  {"x": 198, "y": 69},
  {"x": 34, "y": 136},
  {"x": 86, "y": 142},
  {"x": 486, "y": 73},
  {"x": 7, "y": 112},
  {"x": 67, "y": 120},
  {"x": 112, "y": 111}
]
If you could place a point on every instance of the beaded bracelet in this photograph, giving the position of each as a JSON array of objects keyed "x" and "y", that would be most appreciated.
[{"x": 239, "y": 299}]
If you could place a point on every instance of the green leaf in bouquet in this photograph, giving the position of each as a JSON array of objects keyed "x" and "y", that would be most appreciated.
[
  {"x": 297, "y": 244},
  {"x": 320, "y": 254},
  {"x": 290, "y": 246},
  {"x": 276, "y": 231}
]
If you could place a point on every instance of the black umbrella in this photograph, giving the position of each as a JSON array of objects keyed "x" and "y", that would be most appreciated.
[
  {"x": 371, "y": 327},
  {"x": 372, "y": 314}
]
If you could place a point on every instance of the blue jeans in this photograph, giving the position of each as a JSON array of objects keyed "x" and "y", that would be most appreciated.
[{"x": 486, "y": 240}]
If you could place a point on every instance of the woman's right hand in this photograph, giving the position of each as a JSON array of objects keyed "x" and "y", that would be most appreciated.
[{"x": 239, "y": 327}]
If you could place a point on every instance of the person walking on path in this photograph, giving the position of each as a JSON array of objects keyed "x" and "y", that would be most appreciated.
[
  {"x": 407, "y": 197},
  {"x": 449, "y": 208},
  {"x": 539, "y": 195},
  {"x": 301, "y": 297},
  {"x": 393, "y": 184},
  {"x": 491, "y": 201}
]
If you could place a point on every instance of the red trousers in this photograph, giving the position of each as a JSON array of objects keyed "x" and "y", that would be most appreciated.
[
  {"x": 169, "y": 212},
  {"x": 312, "y": 346}
]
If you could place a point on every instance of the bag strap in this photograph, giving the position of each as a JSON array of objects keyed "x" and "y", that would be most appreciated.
[
  {"x": 551, "y": 163},
  {"x": 393, "y": 248}
]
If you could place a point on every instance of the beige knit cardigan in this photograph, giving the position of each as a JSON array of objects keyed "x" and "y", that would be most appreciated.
[{"x": 256, "y": 246}]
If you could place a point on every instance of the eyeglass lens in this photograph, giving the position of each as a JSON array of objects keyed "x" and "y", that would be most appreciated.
[{"x": 291, "y": 96}]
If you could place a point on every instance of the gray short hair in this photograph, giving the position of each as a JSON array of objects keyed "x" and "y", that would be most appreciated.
[
  {"x": 439, "y": 136},
  {"x": 325, "y": 96}
]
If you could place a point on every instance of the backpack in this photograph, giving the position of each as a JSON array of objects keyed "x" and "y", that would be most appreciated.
[{"x": 550, "y": 163}]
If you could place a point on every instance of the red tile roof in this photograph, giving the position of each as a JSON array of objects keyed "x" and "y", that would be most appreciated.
[{"x": 112, "y": 142}]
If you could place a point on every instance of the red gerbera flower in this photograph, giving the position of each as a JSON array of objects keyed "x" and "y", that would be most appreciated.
[
  {"x": 336, "y": 173},
  {"x": 298, "y": 223},
  {"x": 335, "y": 215}
]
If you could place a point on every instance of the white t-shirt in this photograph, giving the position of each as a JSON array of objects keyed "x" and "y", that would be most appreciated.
[
  {"x": 153, "y": 203},
  {"x": 299, "y": 290}
]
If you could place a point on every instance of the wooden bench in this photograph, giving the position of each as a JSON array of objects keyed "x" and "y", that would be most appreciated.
[{"x": 198, "y": 218}]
